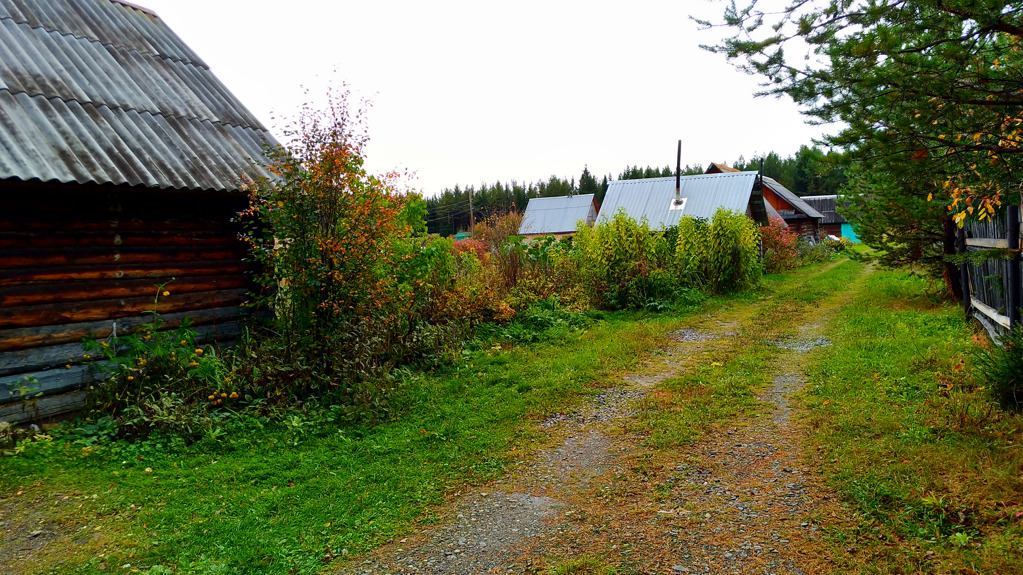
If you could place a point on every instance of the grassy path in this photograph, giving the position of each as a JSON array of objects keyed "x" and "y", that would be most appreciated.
[{"x": 711, "y": 476}]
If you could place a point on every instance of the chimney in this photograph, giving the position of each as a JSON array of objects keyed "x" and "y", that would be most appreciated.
[{"x": 678, "y": 173}]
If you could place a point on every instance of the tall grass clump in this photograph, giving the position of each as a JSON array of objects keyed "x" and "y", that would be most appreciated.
[{"x": 1000, "y": 368}]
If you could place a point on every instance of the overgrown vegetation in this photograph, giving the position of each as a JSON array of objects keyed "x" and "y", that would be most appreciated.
[
  {"x": 907, "y": 434},
  {"x": 353, "y": 290},
  {"x": 291, "y": 493}
]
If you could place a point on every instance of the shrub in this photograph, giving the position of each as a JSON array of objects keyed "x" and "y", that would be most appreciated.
[
  {"x": 734, "y": 252},
  {"x": 1000, "y": 367},
  {"x": 692, "y": 251},
  {"x": 724, "y": 253},
  {"x": 780, "y": 250},
  {"x": 474, "y": 295},
  {"x": 496, "y": 229},
  {"x": 338, "y": 249},
  {"x": 615, "y": 259},
  {"x": 812, "y": 253},
  {"x": 471, "y": 245}
]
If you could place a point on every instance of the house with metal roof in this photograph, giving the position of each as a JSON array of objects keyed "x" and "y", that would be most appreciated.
[
  {"x": 558, "y": 215},
  {"x": 799, "y": 216},
  {"x": 122, "y": 164},
  {"x": 699, "y": 196}
]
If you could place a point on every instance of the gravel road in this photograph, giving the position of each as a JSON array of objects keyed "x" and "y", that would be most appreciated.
[{"x": 742, "y": 503}]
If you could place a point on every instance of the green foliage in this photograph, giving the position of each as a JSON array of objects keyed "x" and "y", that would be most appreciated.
[
  {"x": 724, "y": 253},
  {"x": 287, "y": 494},
  {"x": 617, "y": 258},
  {"x": 158, "y": 378},
  {"x": 1000, "y": 367},
  {"x": 812, "y": 253},
  {"x": 906, "y": 435}
]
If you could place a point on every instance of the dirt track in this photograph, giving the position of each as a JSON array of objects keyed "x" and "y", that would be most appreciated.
[{"x": 741, "y": 500}]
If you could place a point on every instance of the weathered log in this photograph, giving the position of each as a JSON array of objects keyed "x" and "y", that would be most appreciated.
[
  {"x": 25, "y": 361},
  {"x": 27, "y": 337},
  {"x": 50, "y": 314},
  {"x": 28, "y": 294},
  {"x": 156, "y": 271},
  {"x": 42, "y": 408},
  {"x": 10, "y": 260}
]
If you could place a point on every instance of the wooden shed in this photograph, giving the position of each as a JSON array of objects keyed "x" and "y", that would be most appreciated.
[{"x": 122, "y": 158}]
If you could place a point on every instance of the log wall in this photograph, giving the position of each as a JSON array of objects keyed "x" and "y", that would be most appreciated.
[{"x": 82, "y": 261}]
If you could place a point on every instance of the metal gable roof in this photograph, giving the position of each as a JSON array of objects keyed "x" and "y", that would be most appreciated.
[
  {"x": 101, "y": 91},
  {"x": 652, "y": 198},
  {"x": 555, "y": 215}
]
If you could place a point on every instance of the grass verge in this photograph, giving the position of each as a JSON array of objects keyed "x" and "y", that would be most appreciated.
[{"x": 930, "y": 468}]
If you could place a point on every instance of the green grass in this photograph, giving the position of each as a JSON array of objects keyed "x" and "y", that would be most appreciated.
[
  {"x": 724, "y": 380},
  {"x": 275, "y": 498},
  {"x": 929, "y": 467}
]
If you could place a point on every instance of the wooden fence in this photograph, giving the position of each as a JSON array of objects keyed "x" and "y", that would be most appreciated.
[{"x": 991, "y": 288}]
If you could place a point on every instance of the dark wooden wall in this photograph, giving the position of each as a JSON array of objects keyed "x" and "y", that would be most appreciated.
[
  {"x": 83, "y": 261},
  {"x": 831, "y": 230}
]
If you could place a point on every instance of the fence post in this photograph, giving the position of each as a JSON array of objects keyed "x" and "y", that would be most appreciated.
[
  {"x": 1014, "y": 286},
  {"x": 964, "y": 272}
]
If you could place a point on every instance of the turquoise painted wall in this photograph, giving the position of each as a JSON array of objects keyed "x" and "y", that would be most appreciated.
[{"x": 847, "y": 232}]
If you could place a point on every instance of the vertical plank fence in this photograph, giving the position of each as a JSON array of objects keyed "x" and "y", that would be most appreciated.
[{"x": 991, "y": 288}]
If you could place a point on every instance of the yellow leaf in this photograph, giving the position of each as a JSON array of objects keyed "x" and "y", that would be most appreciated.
[{"x": 930, "y": 197}]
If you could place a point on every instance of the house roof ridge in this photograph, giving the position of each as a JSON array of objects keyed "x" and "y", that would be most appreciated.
[{"x": 142, "y": 9}]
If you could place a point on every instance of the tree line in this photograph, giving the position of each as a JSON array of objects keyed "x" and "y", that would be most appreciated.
[{"x": 810, "y": 171}]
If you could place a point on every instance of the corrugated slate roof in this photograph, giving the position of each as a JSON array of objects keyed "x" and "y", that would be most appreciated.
[
  {"x": 652, "y": 198},
  {"x": 827, "y": 206},
  {"x": 793, "y": 200},
  {"x": 557, "y": 215},
  {"x": 101, "y": 91}
]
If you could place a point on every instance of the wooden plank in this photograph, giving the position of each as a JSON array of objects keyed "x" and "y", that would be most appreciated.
[
  {"x": 154, "y": 271},
  {"x": 42, "y": 408},
  {"x": 46, "y": 382},
  {"x": 14, "y": 259},
  {"x": 990, "y": 312},
  {"x": 21, "y": 338},
  {"x": 83, "y": 291},
  {"x": 27, "y": 316},
  {"x": 111, "y": 240},
  {"x": 26, "y": 361},
  {"x": 987, "y": 243}
]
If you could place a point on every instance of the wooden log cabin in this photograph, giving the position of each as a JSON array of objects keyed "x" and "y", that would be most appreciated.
[{"x": 122, "y": 159}]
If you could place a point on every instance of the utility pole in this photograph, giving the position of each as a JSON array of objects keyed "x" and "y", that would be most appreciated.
[{"x": 472, "y": 214}]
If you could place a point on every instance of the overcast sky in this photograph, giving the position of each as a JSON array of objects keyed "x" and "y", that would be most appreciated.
[{"x": 472, "y": 92}]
